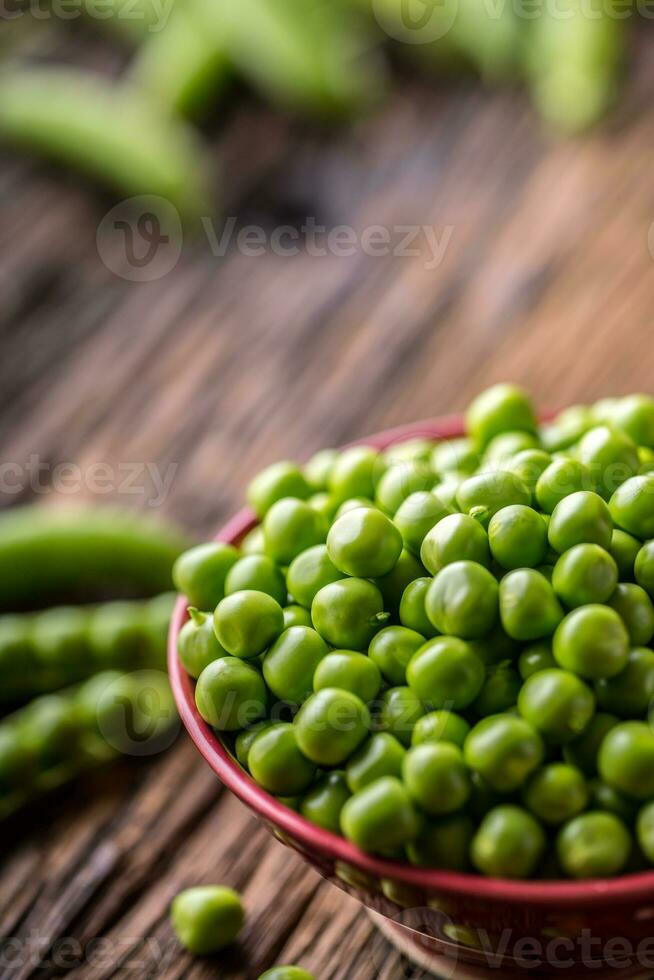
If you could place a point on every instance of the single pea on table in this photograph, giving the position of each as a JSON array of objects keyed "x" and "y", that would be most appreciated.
[{"x": 442, "y": 651}]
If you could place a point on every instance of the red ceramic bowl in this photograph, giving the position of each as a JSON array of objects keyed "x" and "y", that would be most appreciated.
[{"x": 453, "y": 924}]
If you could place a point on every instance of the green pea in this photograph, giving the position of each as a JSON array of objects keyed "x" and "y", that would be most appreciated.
[
  {"x": 409, "y": 451},
  {"x": 287, "y": 973},
  {"x": 496, "y": 648},
  {"x": 584, "y": 574},
  {"x": 446, "y": 673},
  {"x": 626, "y": 759},
  {"x": 331, "y": 725},
  {"x": 456, "y": 537},
  {"x": 561, "y": 478},
  {"x": 393, "y": 585},
  {"x": 276, "y": 482},
  {"x": 277, "y": 763},
  {"x": 499, "y": 693},
  {"x": 436, "y": 777},
  {"x": 504, "y": 750},
  {"x": 630, "y": 693},
  {"x": 580, "y": 518},
  {"x": 253, "y": 543},
  {"x": 517, "y": 537},
  {"x": 529, "y": 465},
  {"x": 441, "y": 726},
  {"x": 245, "y": 738},
  {"x": 392, "y": 649},
  {"x": 529, "y": 609},
  {"x": 509, "y": 843},
  {"x": 624, "y": 548},
  {"x": 506, "y": 445},
  {"x": 400, "y": 481},
  {"x": 463, "y": 600},
  {"x": 309, "y": 572},
  {"x": 290, "y": 663},
  {"x": 492, "y": 491},
  {"x": 645, "y": 831},
  {"x": 353, "y": 503},
  {"x": 290, "y": 527},
  {"x": 610, "y": 455},
  {"x": 593, "y": 845},
  {"x": 631, "y": 506},
  {"x": 348, "y": 671},
  {"x": 635, "y": 608},
  {"x": 567, "y": 428},
  {"x": 247, "y": 622},
  {"x": 604, "y": 797},
  {"x": 197, "y": 644},
  {"x": 201, "y": 572},
  {"x": 592, "y": 641},
  {"x": 412, "y": 608},
  {"x": 634, "y": 415},
  {"x": 259, "y": 574},
  {"x": 558, "y": 704},
  {"x": 317, "y": 471},
  {"x": 296, "y": 616},
  {"x": 348, "y": 613},
  {"x": 207, "y": 918},
  {"x": 323, "y": 504},
  {"x": 537, "y": 657},
  {"x": 230, "y": 694},
  {"x": 355, "y": 473},
  {"x": 364, "y": 543},
  {"x": 556, "y": 793},
  {"x": 399, "y": 710},
  {"x": 381, "y": 755},
  {"x": 380, "y": 816},
  {"x": 443, "y": 843},
  {"x": 583, "y": 751},
  {"x": 324, "y": 802},
  {"x": 454, "y": 456},
  {"x": 502, "y": 408},
  {"x": 644, "y": 568},
  {"x": 417, "y": 515}
]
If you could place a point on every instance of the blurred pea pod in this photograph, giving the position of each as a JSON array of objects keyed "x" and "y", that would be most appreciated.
[
  {"x": 184, "y": 66},
  {"x": 304, "y": 55},
  {"x": 46, "y": 651},
  {"x": 112, "y": 133},
  {"x": 59, "y": 736},
  {"x": 574, "y": 59}
]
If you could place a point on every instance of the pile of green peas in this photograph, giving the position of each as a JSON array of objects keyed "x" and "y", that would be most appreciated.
[{"x": 443, "y": 651}]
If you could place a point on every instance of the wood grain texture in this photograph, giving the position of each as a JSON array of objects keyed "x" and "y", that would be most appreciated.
[{"x": 228, "y": 363}]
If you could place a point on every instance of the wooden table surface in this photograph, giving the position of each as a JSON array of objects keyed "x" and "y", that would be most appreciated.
[{"x": 227, "y": 363}]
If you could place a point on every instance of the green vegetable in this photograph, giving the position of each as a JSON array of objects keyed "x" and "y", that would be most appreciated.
[
  {"x": 463, "y": 600},
  {"x": 348, "y": 613},
  {"x": 291, "y": 662},
  {"x": 230, "y": 694},
  {"x": 508, "y": 844},
  {"x": 558, "y": 704},
  {"x": 331, "y": 725},
  {"x": 380, "y": 816},
  {"x": 207, "y": 918},
  {"x": 593, "y": 845},
  {"x": 323, "y": 803},
  {"x": 277, "y": 763},
  {"x": 364, "y": 543},
  {"x": 246, "y": 623}
]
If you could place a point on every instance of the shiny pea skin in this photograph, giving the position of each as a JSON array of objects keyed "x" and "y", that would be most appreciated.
[
  {"x": 529, "y": 609},
  {"x": 417, "y": 515},
  {"x": 355, "y": 473},
  {"x": 593, "y": 845},
  {"x": 412, "y": 608},
  {"x": 291, "y": 662},
  {"x": 380, "y": 816},
  {"x": 318, "y": 470},
  {"x": 456, "y": 537},
  {"x": 500, "y": 691},
  {"x": 509, "y": 843},
  {"x": 207, "y": 918},
  {"x": 348, "y": 613},
  {"x": 504, "y": 750},
  {"x": 443, "y": 843},
  {"x": 584, "y": 574},
  {"x": 629, "y": 694},
  {"x": 381, "y": 755},
  {"x": 446, "y": 673},
  {"x": 631, "y": 506},
  {"x": 393, "y": 585},
  {"x": 624, "y": 548},
  {"x": 258, "y": 573},
  {"x": 502, "y": 408},
  {"x": 529, "y": 465},
  {"x": 518, "y": 537},
  {"x": 536, "y": 657},
  {"x": 610, "y": 455},
  {"x": 283, "y": 479},
  {"x": 580, "y": 518},
  {"x": 645, "y": 831},
  {"x": 441, "y": 726},
  {"x": 295, "y": 615},
  {"x": 626, "y": 759},
  {"x": 558, "y": 704},
  {"x": 399, "y": 710},
  {"x": 636, "y": 610},
  {"x": 561, "y": 478},
  {"x": 290, "y": 527},
  {"x": 556, "y": 793},
  {"x": 348, "y": 671},
  {"x": 331, "y": 725},
  {"x": 592, "y": 641},
  {"x": 309, "y": 572},
  {"x": 276, "y": 762},
  {"x": 634, "y": 415},
  {"x": 246, "y": 623},
  {"x": 246, "y": 737},
  {"x": 644, "y": 568},
  {"x": 436, "y": 777},
  {"x": 392, "y": 649},
  {"x": 400, "y": 480},
  {"x": 200, "y": 573},
  {"x": 492, "y": 491},
  {"x": 231, "y": 694},
  {"x": 324, "y": 802},
  {"x": 463, "y": 600},
  {"x": 197, "y": 644},
  {"x": 364, "y": 543}
]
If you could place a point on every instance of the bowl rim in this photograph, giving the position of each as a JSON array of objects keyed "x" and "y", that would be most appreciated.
[{"x": 630, "y": 888}]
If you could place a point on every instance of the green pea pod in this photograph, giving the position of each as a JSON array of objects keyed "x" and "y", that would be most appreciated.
[
  {"x": 112, "y": 133},
  {"x": 48, "y": 554},
  {"x": 47, "y": 651},
  {"x": 574, "y": 60},
  {"x": 184, "y": 67},
  {"x": 59, "y": 736},
  {"x": 303, "y": 55}
]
